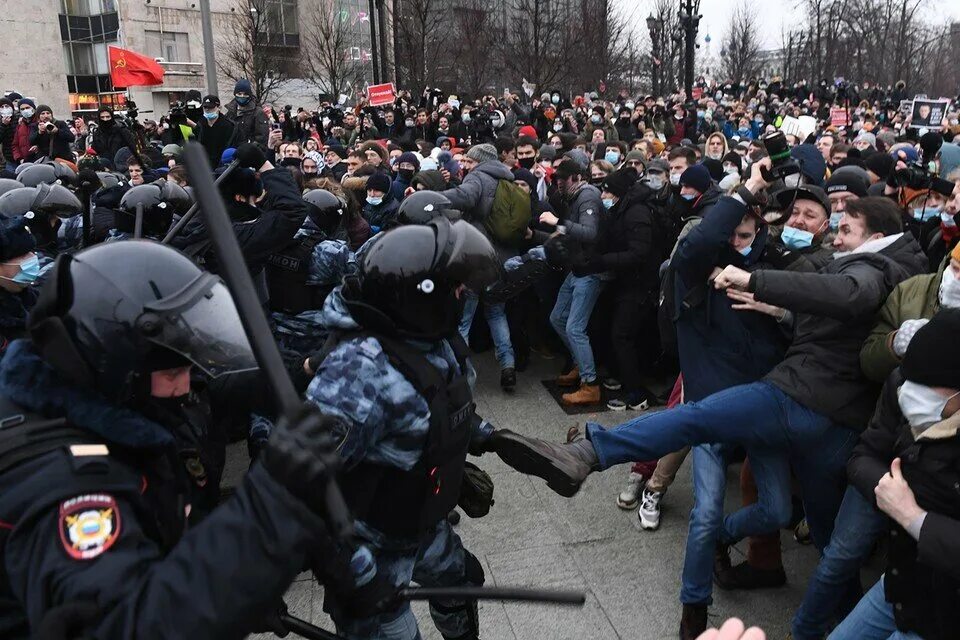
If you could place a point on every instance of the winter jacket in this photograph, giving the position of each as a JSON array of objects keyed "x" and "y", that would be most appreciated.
[
  {"x": 280, "y": 215},
  {"x": 809, "y": 259},
  {"x": 719, "y": 346},
  {"x": 7, "y": 134},
  {"x": 910, "y": 300},
  {"x": 922, "y": 579},
  {"x": 835, "y": 310},
  {"x": 216, "y": 138},
  {"x": 474, "y": 196},
  {"x": 107, "y": 141},
  {"x": 629, "y": 242},
  {"x": 250, "y": 124},
  {"x": 21, "y": 140},
  {"x": 56, "y": 145},
  {"x": 692, "y": 214},
  {"x": 383, "y": 215}
]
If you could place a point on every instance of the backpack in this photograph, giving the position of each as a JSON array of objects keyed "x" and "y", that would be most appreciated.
[{"x": 509, "y": 215}]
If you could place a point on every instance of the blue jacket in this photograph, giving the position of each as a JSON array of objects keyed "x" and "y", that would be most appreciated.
[{"x": 719, "y": 346}]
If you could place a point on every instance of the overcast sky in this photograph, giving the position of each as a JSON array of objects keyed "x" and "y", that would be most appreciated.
[{"x": 773, "y": 15}]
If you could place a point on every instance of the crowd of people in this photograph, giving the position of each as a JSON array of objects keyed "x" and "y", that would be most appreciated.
[{"x": 793, "y": 285}]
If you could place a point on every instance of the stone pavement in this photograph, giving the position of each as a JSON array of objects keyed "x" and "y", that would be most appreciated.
[{"x": 533, "y": 537}]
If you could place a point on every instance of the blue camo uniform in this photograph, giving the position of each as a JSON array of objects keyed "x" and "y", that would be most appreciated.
[{"x": 386, "y": 423}]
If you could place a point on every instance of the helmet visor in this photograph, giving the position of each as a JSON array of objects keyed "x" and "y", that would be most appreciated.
[
  {"x": 200, "y": 322},
  {"x": 470, "y": 258}
]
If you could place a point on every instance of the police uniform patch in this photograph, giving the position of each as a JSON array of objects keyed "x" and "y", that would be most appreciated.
[{"x": 89, "y": 525}]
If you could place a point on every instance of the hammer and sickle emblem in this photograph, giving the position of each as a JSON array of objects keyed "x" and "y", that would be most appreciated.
[{"x": 121, "y": 63}]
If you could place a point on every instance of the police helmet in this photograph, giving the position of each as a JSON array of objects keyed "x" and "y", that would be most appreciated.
[
  {"x": 47, "y": 173},
  {"x": 157, "y": 212},
  {"x": 109, "y": 179},
  {"x": 423, "y": 206},
  {"x": 110, "y": 315},
  {"x": 8, "y": 184},
  {"x": 324, "y": 209},
  {"x": 409, "y": 278},
  {"x": 51, "y": 199}
]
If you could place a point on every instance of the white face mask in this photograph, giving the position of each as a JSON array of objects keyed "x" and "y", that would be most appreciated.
[
  {"x": 949, "y": 294},
  {"x": 921, "y": 405},
  {"x": 674, "y": 179}
]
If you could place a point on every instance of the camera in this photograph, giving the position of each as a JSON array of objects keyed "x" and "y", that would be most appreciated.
[
  {"x": 49, "y": 127},
  {"x": 919, "y": 175},
  {"x": 779, "y": 151}
]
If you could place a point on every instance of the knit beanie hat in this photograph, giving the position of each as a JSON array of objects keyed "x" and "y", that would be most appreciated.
[
  {"x": 410, "y": 157},
  {"x": 715, "y": 167},
  {"x": 879, "y": 163},
  {"x": 243, "y": 86},
  {"x": 933, "y": 357},
  {"x": 482, "y": 153},
  {"x": 619, "y": 182},
  {"x": 581, "y": 158},
  {"x": 44, "y": 107},
  {"x": 697, "y": 177},
  {"x": 28, "y": 101},
  {"x": 15, "y": 238},
  {"x": 528, "y": 130},
  {"x": 379, "y": 182},
  {"x": 635, "y": 155},
  {"x": 548, "y": 153},
  {"x": 338, "y": 149},
  {"x": 848, "y": 179},
  {"x": 171, "y": 150}
]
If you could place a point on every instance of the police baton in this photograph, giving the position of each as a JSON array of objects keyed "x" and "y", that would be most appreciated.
[
  {"x": 192, "y": 211},
  {"x": 234, "y": 271}
]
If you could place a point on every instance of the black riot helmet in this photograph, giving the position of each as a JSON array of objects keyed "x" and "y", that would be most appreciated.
[
  {"x": 110, "y": 315},
  {"x": 109, "y": 179},
  {"x": 9, "y": 184},
  {"x": 421, "y": 207},
  {"x": 47, "y": 173},
  {"x": 409, "y": 277},
  {"x": 325, "y": 210},
  {"x": 158, "y": 201},
  {"x": 52, "y": 199}
]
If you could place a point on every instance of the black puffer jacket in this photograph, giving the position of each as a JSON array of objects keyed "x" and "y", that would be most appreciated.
[
  {"x": 922, "y": 580},
  {"x": 629, "y": 242},
  {"x": 835, "y": 311}
]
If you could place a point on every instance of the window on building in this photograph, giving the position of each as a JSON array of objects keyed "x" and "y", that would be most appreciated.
[
  {"x": 172, "y": 46},
  {"x": 280, "y": 22}
]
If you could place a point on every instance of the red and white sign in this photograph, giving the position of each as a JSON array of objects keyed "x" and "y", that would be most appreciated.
[
  {"x": 379, "y": 94},
  {"x": 838, "y": 117}
]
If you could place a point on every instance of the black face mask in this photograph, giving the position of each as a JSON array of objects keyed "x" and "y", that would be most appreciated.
[
  {"x": 290, "y": 162},
  {"x": 526, "y": 163},
  {"x": 406, "y": 174},
  {"x": 106, "y": 124}
]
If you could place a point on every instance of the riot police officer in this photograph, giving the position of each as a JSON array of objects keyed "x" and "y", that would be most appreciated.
[
  {"x": 46, "y": 208},
  {"x": 158, "y": 201},
  {"x": 398, "y": 375},
  {"x": 93, "y": 496}
]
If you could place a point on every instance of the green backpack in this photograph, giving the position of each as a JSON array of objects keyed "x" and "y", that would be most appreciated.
[{"x": 510, "y": 214}]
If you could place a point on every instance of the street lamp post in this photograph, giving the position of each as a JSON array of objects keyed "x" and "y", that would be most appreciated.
[
  {"x": 655, "y": 26},
  {"x": 690, "y": 21}
]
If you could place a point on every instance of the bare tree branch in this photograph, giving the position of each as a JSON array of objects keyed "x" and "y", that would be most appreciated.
[{"x": 330, "y": 62}]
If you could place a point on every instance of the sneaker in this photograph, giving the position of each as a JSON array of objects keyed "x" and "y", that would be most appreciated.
[
  {"x": 623, "y": 405},
  {"x": 745, "y": 576},
  {"x": 648, "y": 515},
  {"x": 508, "y": 379},
  {"x": 630, "y": 496},
  {"x": 693, "y": 621},
  {"x": 612, "y": 384}
]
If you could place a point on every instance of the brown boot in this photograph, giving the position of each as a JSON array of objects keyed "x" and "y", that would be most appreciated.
[
  {"x": 693, "y": 622},
  {"x": 586, "y": 394},
  {"x": 569, "y": 379}
]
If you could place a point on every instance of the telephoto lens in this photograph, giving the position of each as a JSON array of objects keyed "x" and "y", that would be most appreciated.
[{"x": 777, "y": 147}]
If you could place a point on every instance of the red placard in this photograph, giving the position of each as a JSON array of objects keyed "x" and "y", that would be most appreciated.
[
  {"x": 379, "y": 94},
  {"x": 839, "y": 117}
]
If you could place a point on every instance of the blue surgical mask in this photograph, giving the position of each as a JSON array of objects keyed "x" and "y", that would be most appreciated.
[
  {"x": 689, "y": 197},
  {"x": 613, "y": 157},
  {"x": 746, "y": 250},
  {"x": 27, "y": 113},
  {"x": 947, "y": 219},
  {"x": 374, "y": 200},
  {"x": 794, "y": 238},
  {"x": 925, "y": 213},
  {"x": 607, "y": 203},
  {"x": 242, "y": 99},
  {"x": 29, "y": 271},
  {"x": 555, "y": 99},
  {"x": 835, "y": 220},
  {"x": 595, "y": 119},
  {"x": 210, "y": 115}
]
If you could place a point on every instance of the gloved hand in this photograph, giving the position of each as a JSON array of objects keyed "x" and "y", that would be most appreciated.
[
  {"x": 905, "y": 334},
  {"x": 476, "y": 491},
  {"x": 376, "y": 596},
  {"x": 250, "y": 155},
  {"x": 561, "y": 251},
  {"x": 302, "y": 453}
]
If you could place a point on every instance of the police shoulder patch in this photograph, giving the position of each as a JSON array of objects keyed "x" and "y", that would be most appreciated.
[{"x": 89, "y": 525}]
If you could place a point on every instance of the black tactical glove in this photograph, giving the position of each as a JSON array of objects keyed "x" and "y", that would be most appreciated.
[
  {"x": 302, "y": 454},
  {"x": 476, "y": 491},
  {"x": 377, "y": 596},
  {"x": 250, "y": 155},
  {"x": 562, "y": 251}
]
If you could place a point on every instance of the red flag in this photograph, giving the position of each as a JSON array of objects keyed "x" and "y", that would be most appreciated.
[{"x": 131, "y": 69}]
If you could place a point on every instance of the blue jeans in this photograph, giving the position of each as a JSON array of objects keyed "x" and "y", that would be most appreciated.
[
  {"x": 496, "y": 316},
  {"x": 834, "y": 588},
  {"x": 769, "y": 424},
  {"x": 872, "y": 619},
  {"x": 570, "y": 316}
]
